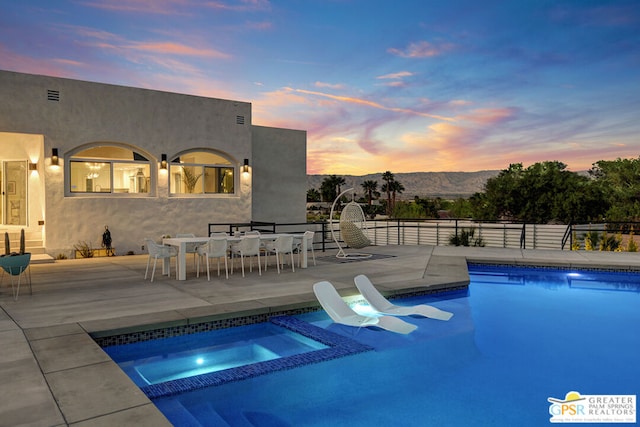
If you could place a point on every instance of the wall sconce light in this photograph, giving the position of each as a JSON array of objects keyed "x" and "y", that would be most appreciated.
[
  {"x": 163, "y": 161},
  {"x": 245, "y": 166},
  {"x": 33, "y": 166},
  {"x": 54, "y": 157}
]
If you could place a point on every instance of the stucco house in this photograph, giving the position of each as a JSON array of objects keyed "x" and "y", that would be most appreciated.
[{"x": 77, "y": 156}]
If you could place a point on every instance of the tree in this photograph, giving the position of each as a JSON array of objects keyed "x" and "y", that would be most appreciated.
[
  {"x": 541, "y": 193},
  {"x": 313, "y": 195},
  {"x": 330, "y": 187},
  {"x": 371, "y": 189},
  {"x": 619, "y": 180},
  {"x": 408, "y": 210},
  {"x": 396, "y": 188},
  {"x": 429, "y": 208},
  {"x": 461, "y": 208},
  {"x": 388, "y": 177},
  {"x": 501, "y": 200}
]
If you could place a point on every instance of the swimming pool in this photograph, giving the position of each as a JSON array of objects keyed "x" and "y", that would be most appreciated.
[{"x": 518, "y": 337}]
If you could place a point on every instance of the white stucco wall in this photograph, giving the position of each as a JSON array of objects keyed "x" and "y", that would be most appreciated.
[
  {"x": 151, "y": 122},
  {"x": 280, "y": 155}
]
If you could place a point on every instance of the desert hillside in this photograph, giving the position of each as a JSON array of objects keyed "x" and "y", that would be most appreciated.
[{"x": 423, "y": 184}]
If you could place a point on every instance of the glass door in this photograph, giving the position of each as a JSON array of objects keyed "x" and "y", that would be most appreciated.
[{"x": 13, "y": 183}]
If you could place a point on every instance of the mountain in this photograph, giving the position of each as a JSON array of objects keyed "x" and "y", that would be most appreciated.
[{"x": 449, "y": 185}]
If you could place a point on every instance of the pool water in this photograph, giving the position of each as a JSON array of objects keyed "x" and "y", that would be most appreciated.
[
  {"x": 517, "y": 337},
  {"x": 170, "y": 359}
]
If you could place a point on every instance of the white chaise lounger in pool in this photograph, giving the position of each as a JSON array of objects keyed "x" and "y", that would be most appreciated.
[
  {"x": 341, "y": 313},
  {"x": 382, "y": 305}
]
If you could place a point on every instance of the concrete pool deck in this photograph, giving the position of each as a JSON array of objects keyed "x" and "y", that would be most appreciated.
[{"x": 54, "y": 374}]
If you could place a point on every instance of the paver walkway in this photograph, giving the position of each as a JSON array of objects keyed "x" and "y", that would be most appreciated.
[{"x": 54, "y": 374}]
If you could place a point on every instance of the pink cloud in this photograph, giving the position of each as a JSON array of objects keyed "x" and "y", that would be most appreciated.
[
  {"x": 188, "y": 83},
  {"x": 91, "y": 33},
  {"x": 261, "y": 26},
  {"x": 12, "y": 61},
  {"x": 243, "y": 6},
  {"x": 394, "y": 84},
  {"x": 422, "y": 49},
  {"x": 460, "y": 102},
  {"x": 176, "y": 49},
  {"x": 176, "y": 7},
  {"x": 490, "y": 115},
  {"x": 107, "y": 40},
  {"x": 329, "y": 85},
  {"x": 395, "y": 76},
  {"x": 160, "y": 7},
  {"x": 369, "y": 103}
]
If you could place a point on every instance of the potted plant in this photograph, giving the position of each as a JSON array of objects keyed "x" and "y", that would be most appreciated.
[
  {"x": 15, "y": 263},
  {"x": 190, "y": 178}
]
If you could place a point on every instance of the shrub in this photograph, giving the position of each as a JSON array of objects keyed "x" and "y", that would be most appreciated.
[
  {"x": 84, "y": 249},
  {"x": 602, "y": 242},
  {"x": 466, "y": 237},
  {"x": 575, "y": 242}
]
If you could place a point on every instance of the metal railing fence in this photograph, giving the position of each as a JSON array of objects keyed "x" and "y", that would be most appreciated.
[{"x": 439, "y": 232}]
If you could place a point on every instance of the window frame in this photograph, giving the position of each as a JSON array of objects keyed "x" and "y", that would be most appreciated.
[
  {"x": 149, "y": 163},
  {"x": 201, "y": 183}
]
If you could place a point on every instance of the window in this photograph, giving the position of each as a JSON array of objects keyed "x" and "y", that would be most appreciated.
[
  {"x": 201, "y": 172},
  {"x": 109, "y": 169}
]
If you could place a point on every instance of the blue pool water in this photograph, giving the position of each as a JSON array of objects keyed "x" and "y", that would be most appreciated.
[{"x": 518, "y": 337}]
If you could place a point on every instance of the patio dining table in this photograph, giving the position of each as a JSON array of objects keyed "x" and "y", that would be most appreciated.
[{"x": 180, "y": 243}]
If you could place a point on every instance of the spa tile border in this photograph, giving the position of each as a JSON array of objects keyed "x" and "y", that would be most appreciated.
[
  {"x": 192, "y": 328},
  {"x": 561, "y": 266}
]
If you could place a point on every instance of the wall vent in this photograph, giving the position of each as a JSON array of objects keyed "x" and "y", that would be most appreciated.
[
  {"x": 239, "y": 120},
  {"x": 53, "y": 95}
]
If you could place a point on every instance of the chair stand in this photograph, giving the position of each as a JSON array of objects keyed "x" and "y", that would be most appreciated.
[{"x": 17, "y": 265}]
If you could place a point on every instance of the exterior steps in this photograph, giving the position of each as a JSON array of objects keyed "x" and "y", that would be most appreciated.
[{"x": 32, "y": 243}]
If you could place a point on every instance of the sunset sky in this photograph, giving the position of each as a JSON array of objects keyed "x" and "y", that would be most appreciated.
[{"x": 399, "y": 85}]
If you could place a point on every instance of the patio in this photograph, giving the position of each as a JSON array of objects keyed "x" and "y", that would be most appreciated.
[{"x": 55, "y": 374}]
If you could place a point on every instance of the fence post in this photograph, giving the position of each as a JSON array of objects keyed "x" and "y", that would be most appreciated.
[
  {"x": 387, "y": 232},
  {"x": 456, "y": 227},
  {"x": 324, "y": 236},
  {"x": 570, "y": 236},
  {"x": 535, "y": 236}
]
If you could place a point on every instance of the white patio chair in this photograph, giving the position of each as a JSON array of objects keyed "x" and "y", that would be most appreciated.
[
  {"x": 280, "y": 247},
  {"x": 308, "y": 236},
  {"x": 156, "y": 252},
  {"x": 216, "y": 247},
  {"x": 247, "y": 246},
  {"x": 341, "y": 313},
  {"x": 383, "y": 305},
  {"x": 219, "y": 234}
]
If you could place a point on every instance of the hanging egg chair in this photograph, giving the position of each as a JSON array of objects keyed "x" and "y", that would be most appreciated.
[{"x": 351, "y": 230}]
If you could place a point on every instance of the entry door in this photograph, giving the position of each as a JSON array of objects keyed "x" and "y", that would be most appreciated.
[{"x": 13, "y": 182}]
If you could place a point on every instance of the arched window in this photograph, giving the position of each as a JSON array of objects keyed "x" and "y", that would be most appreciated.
[
  {"x": 201, "y": 172},
  {"x": 109, "y": 169}
]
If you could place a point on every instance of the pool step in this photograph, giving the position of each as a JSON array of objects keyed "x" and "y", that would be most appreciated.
[{"x": 177, "y": 414}]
